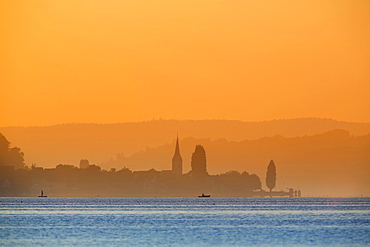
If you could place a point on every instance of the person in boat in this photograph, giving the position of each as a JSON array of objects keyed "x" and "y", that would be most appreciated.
[
  {"x": 203, "y": 195},
  {"x": 42, "y": 194}
]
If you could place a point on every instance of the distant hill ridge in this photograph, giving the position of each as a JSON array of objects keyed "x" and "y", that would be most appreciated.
[
  {"x": 284, "y": 127},
  {"x": 68, "y": 143},
  {"x": 240, "y": 154}
]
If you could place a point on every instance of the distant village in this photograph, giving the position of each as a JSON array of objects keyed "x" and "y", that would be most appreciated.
[{"x": 89, "y": 180}]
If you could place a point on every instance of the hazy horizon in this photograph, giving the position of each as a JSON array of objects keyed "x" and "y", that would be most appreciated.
[
  {"x": 173, "y": 119},
  {"x": 306, "y": 150},
  {"x": 88, "y": 80},
  {"x": 195, "y": 108}
]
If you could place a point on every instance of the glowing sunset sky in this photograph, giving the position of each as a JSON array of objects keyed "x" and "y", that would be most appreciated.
[{"x": 119, "y": 61}]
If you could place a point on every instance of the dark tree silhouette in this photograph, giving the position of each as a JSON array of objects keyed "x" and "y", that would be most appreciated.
[
  {"x": 199, "y": 161},
  {"x": 10, "y": 156},
  {"x": 271, "y": 175}
]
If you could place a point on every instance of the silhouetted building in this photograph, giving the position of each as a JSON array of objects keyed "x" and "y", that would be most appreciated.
[
  {"x": 84, "y": 164},
  {"x": 177, "y": 160},
  {"x": 199, "y": 161}
]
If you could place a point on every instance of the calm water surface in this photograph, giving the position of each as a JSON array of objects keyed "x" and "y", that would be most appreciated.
[{"x": 185, "y": 221}]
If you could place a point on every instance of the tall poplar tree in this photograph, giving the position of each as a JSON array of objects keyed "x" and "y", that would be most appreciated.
[{"x": 271, "y": 175}]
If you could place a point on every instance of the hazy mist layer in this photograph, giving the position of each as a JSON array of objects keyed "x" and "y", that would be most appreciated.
[{"x": 310, "y": 154}]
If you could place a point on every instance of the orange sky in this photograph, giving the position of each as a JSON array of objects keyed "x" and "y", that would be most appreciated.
[{"x": 118, "y": 61}]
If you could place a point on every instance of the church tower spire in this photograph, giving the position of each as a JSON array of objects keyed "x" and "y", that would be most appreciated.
[{"x": 177, "y": 160}]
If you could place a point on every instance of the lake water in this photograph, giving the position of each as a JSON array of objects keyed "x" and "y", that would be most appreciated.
[{"x": 185, "y": 221}]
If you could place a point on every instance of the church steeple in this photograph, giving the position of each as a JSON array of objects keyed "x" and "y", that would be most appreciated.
[
  {"x": 177, "y": 160},
  {"x": 177, "y": 150}
]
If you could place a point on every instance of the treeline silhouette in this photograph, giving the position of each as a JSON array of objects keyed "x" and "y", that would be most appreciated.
[
  {"x": 90, "y": 180},
  {"x": 10, "y": 156},
  {"x": 68, "y": 180}
]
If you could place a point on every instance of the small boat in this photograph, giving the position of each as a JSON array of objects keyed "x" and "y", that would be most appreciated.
[
  {"x": 42, "y": 194},
  {"x": 203, "y": 195}
]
